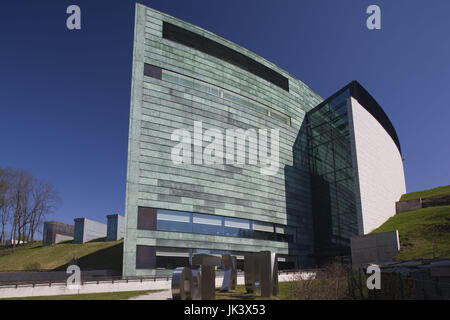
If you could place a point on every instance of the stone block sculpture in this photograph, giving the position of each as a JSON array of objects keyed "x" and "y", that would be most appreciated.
[
  {"x": 199, "y": 282},
  {"x": 230, "y": 272}
]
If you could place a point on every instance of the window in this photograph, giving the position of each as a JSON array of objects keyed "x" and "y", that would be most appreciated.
[
  {"x": 261, "y": 226},
  {"x": 174, "y": 221},
  {"x": 152, "y": 71},
  {"x": 146, "y": 218},
  {"x": 280, "y": 117},
  {"x": 145, "y": 257},
  {"x": 179, "y": 221},
  {"x": 215, "y": 49},
  {"x": 207, "y": 224},
  {"x": 237, "y": 227}
]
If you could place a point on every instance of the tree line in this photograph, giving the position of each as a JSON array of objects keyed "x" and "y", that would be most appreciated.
[{"x": 25, "y": 201}]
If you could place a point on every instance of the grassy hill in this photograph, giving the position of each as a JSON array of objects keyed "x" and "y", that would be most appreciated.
[
  {"x": 93, "y": 255},
  {"x": 424, "y": 233},
  {"x": 439, "y": 191}
]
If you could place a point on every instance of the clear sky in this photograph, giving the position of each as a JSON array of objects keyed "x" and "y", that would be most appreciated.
[{"x": 65, "y": 95}]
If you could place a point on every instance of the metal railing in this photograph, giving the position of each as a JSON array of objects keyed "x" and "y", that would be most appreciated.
[
  {"x": 102, "y": 280},
  {"x": 117, "y": 279}
]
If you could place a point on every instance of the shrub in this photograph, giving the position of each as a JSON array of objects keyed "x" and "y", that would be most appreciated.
[
  {"x": 33, "y": 266},
  {"x": 330, "y": 283}
]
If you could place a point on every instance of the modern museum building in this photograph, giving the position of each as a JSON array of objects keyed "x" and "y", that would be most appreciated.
[{"x": 228, "y": 153}]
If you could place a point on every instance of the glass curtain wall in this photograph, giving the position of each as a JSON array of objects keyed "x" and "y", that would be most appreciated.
[{"x": 333, "y": 188}]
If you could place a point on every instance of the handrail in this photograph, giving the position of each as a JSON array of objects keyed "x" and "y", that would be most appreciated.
[{"x": 117, "y": 279}]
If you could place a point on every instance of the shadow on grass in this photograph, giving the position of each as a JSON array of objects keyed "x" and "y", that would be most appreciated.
[
  {"x": 108, "y": 258},
  {"x": 103, "y": 239}
]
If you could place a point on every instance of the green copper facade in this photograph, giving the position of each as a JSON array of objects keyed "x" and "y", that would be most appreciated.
[{"x": 187, "y": 85}]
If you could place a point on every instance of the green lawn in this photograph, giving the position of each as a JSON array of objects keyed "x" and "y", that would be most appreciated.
[
  {"x": 426, "y": 193},
  {"x": 91, "y": 296},
  {"x": 92, "y": 255},
  {"x": 424, "y": 233},
  {"x": 241, "y": 294}
]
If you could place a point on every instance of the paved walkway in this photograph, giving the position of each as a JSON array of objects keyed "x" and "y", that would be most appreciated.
[{"x": 160, "y": 295}]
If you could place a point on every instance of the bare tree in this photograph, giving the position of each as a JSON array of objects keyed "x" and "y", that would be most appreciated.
[
  {"x": 44, "y": 201},
  {"x": 20, "y": 190},
  {"x": 24, "y": 203},
  {"x": 4, "y": 212}
]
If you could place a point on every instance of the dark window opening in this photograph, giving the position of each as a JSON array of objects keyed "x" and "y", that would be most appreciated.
[
  {"x": 152, "y": 71},
  {"x": 145, "y": 257},
  {"x": 146, "y": 218},
  {"x": 172, "y": 262},
  {"x": 217, "y": 50}
]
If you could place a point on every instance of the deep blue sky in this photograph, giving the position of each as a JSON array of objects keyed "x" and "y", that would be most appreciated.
[{"x": 64, "y": 95}]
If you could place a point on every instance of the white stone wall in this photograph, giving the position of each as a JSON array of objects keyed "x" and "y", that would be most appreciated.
[
  {"x": 120, "y": 227},
  {"x": 61, "y": 237},
  {"x": 378, "y": 171},
  {"x": 93, "y": 230}
]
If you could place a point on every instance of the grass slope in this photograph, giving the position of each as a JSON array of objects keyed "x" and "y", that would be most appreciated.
[
  {"x": 424, "y": 233},
  {"x": 426, "y": 193},
  {"x": 91, "y": 255}
]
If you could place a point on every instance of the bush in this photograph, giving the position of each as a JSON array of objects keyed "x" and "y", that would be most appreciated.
[
  {"x": 329, "y": 284},
  {"x": 34, "y": 266}
]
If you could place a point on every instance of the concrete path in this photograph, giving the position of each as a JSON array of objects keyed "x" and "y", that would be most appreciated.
[
  {"x": 160, "y": 295},
  {"x": 167, "y": 294}
]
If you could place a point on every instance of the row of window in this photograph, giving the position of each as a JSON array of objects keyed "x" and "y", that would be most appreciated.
[
  {"x": 188, "y": 82},
  {"x": 149, "y": 257},
  {"x": 179, "y": 221}
]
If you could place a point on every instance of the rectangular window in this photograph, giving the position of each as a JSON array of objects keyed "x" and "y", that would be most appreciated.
[
  {"x": 207, "y": 224},
  {"x": 220, "y": 51},
  {"x": 261, "y": 226},
  {"x": 237, "y": 227},
  {"x": 173, "y": 216},
  {"x": 152, "y": 71},
  {"x": 146, "y": 218},
  {"x": 174, "y": 221},
  {"x": 172, "y": 252},
  {"x": 237, "y": 223},
  {"x": 280, "y": 117},
  {"x": 280, "y": 230},
  {"x": 145, "y": 257}
]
